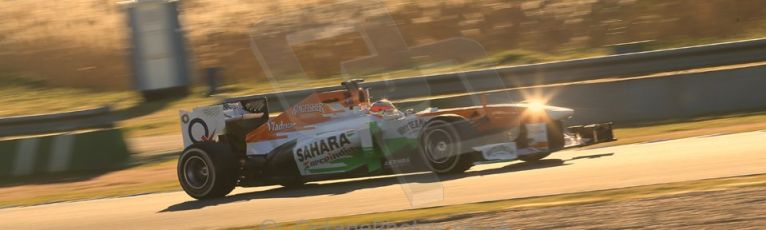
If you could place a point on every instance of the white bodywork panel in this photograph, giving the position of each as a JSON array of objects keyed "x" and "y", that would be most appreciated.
[
  {"x": 202, "y": 124},
  {"x": 537, "y": 136},
  {"x": 499, "y": 152}
]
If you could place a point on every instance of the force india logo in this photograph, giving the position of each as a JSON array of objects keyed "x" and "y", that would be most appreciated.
[
  {"x": 324, "y": 150},
  {"x": 308, "y": 108}
]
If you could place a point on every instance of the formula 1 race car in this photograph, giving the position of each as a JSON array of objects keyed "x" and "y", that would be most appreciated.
[{"x": 342, "y": 134}]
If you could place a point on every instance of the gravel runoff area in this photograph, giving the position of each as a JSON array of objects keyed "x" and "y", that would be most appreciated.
[{"x": 743, "y": 208}]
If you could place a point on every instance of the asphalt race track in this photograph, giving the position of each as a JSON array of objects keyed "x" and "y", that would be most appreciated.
[{"x": 564, "y": 172}]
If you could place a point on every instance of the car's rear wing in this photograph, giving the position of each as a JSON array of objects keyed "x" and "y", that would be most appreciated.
[{"x": 207, "y": 123}]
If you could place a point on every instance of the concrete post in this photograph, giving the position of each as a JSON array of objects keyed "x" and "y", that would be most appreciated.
[{"x": 158, "y": 51}]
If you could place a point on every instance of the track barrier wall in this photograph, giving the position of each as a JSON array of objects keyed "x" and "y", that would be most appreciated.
[
  {"x": 612, "y": 66},
  {"x": 639, "y": 99},
  {"x": 70, "y": 142}
]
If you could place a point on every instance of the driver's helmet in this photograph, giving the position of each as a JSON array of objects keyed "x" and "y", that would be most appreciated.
[{"x": 383, "y": 107}]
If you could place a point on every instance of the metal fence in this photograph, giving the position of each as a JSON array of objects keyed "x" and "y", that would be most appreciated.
[{"x": 57, "y": 122}]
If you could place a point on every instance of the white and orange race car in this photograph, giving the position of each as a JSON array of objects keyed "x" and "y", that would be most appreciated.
[{"x": 341, "y": 134}]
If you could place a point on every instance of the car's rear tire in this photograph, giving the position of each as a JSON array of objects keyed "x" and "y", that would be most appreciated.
[
  {"x": 208, "y": 170},
  {"x": 442, "y": 146},
  {"x": 556, "y": 142}
]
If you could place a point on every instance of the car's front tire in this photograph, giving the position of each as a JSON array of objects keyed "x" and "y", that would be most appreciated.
[
  {"x": 556, "y": 142},
  {"x": 208, "y": 170}
]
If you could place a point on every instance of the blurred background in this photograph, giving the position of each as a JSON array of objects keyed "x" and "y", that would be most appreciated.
[
  {"x": 76, "y": 52},
  {"x": 83, "y": 43}
]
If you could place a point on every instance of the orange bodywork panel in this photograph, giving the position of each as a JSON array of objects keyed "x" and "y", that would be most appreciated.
[
  {"x": 314, "y": 109},
  {"x": 489, "y": 118},
  {"x": 320, "y": 106}
]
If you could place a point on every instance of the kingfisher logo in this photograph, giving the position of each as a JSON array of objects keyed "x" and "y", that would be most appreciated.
[{"x": 308, "y": 108}]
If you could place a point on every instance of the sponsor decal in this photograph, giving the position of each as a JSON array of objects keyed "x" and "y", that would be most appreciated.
[
  {"x": 410, "y": 126},
  {"x": 336, "y": 106},
  {"x": 280, "y": 125},
  {"x": 324, "y": 150},
  {"x": 308, "y": 108},
  {"x": 506, "y": 151},
  {"x": 232, "y": 106},
  {"x": 393, "y": 163},
  {"x": 207, "y": 136},
  {"x": 255, "y": 106},
  {"x": 501, "y": 149},
  {"x": 211, "y": 111},
  {"x": 538, "y": 135},
  {"x": 202, "y": 124}
]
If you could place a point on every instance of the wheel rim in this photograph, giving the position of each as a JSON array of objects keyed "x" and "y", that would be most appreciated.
[
  {"x": 439, "y": 146},
  {"x": 196, "y": 172}
]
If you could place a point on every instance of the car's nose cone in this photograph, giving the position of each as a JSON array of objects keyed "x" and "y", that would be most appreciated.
[{"x": 557, "y": 113}]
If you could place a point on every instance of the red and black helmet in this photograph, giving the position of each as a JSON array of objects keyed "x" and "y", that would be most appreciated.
[{"x": 382, "y": 106}]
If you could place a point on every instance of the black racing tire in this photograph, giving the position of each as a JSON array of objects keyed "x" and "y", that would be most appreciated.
[
  {"x": 208, "y": 170},
  {"x": 556, "y": 142},
  {"x": 443, "y": 148}
]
